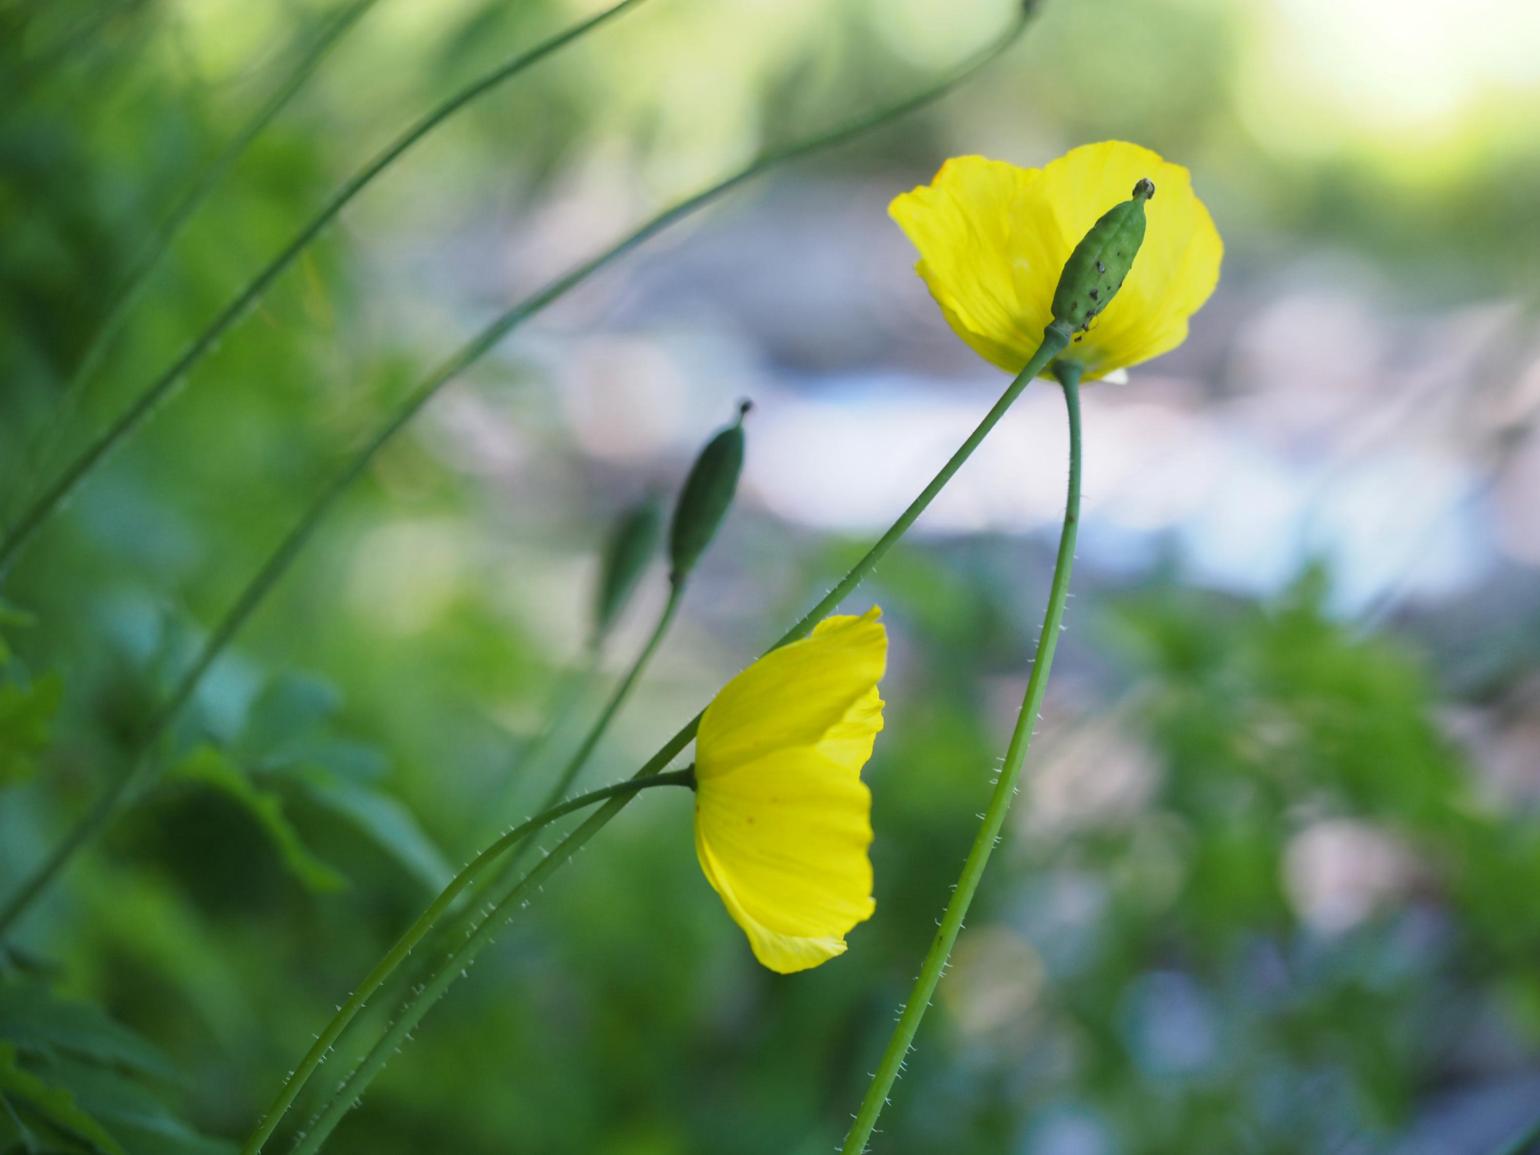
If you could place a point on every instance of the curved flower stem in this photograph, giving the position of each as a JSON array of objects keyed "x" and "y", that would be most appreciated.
[
  {"x": 480, "y": 930},
  {"x": 617, "y": 698},
  {"x": 570, "y": 689},
  {"x": 414, "y": 934},
  {"x": 477, "y": 936},
  {"x": 41, "y": 509},
  {"x": 299, "y": 535},
  {"x": 999, "y": 803},
  {"x": 165, "y": 235}
]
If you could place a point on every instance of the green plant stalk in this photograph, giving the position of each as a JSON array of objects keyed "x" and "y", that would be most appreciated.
[
  {"x": 49, "y": 502},
  {"x": 967, "y": 885},
  {"x": 160, "y": 242},
  {"x": 414, "y": 934},
  {"x": 624, "y": 559},
  {"x": 579, "y": 759},
  {"x": 481, "y": 930},
  {"x": 299, "y": 535},
  {"x": 477, "y": 936},
  {"x": 563, "y": 702},
  {"x": 29, "y": 1141}
]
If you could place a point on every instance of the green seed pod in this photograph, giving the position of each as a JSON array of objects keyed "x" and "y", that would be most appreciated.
[
  {"x": 630, "y": 547},
  {"x": 1095, "y": 270},
  {"x": 707, "y": 493}
]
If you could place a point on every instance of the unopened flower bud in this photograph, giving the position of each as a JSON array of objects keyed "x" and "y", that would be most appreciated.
[
  {"x": 1095, "y": 270},
  {"x": 707, "y": 493},
  {"x": 629, "y": 550}
]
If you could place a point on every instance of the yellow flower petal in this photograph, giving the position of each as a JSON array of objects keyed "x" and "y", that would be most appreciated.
[
  {"x": 782, "y": 818},
  {"x": 784, "y": 842},
  {"x": 993, "y": 239},
  {"x": 964, "y": 225},
  {"x": 798, "y": 695}
]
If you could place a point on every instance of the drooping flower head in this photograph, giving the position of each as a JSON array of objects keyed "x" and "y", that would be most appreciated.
[
  {"x": 993, "y": 239},
  {"x": 782, "y": 818}
]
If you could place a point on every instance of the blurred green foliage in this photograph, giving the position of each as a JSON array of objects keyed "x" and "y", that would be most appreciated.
[{"x": 1162, "y": 969}]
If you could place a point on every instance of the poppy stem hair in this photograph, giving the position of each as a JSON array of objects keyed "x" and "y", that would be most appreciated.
[
  {"x": 596, "y": 731},
  {"x": 915, "y": 1006},
  {"x": 418, "y": 930}
]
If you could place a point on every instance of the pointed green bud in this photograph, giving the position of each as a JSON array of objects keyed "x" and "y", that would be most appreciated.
[
  {"x": 629, "y": 550},
  {"x": 707, "y": 493},
  {"x": 1095, "y": 270}
]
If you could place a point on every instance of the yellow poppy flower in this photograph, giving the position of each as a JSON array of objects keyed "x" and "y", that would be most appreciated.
[
  {"x": 782, "y": 818},
  {"x": 993, "y": 239}
]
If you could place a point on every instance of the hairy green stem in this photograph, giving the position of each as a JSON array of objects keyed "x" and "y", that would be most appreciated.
[
  {"x": 617, "y": 699},
  {"x": 481, "y": 929},
  {"x": 984, "y": 842},
  {"x": 563, "y": 701},
  {"x": 49, "y": 502},
  {"x": 477, "y": 936},
  {"x": 159, "y": 244},
  {"x": 414, "y": 934},
  {"x": 300, "y": 534}
]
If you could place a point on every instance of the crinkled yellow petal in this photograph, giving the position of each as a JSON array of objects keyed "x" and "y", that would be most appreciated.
[
  {"x": 993, "y": 240},
  {"x": 782, "y": 818},
  {"x": 784, "y": 842},
  {"x": 809, "y": 693},
  {"x": 976, "y": 258}
]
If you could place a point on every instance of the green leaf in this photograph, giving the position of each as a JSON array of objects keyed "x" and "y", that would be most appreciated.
[
  {"x": 14, "y": 615},
  {"x": 141, "y": 1122},
  {"x": 289, "y": 708},
  {"x": 704, "y": 500},
  {"x": 629, "y": 550},
  {"x": 53, "y": 1105},
  {"x": 15, "y": 1135},
  {"x": 354, "y": 761},
  {"x": 35, "y": 1022},
  {"x": 11, "y": 616},
  {"x": 384, "y": 819},
  {"x": 287, "y": 739},
  {"x": 26, "y": 724},
  {"x": 208, "y": 766}
]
